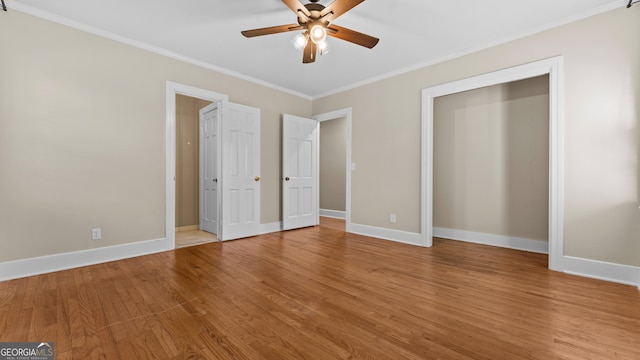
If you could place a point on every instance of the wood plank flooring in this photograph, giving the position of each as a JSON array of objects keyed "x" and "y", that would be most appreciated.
[
  {"x": 319, "y": 293},
  {"x": 193, "y": 237}
]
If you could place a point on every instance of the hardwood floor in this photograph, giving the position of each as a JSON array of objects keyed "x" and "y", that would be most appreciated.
[{"x": 319, "y": 293}]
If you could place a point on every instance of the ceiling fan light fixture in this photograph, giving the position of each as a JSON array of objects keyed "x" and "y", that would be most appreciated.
[
  {"x": 323, "y": 47},
  {"x": 300, "y": 40},
  {"x": 318, "y": 34}
]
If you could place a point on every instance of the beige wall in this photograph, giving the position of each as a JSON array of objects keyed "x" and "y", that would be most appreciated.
[
  {"x": 188, "y": 160},
  {"x": 491, "y": 160},
  {"x": 602, "y": 92},
  {"x": 333, "y": 164},
  {"x": 82, "y": 137}
]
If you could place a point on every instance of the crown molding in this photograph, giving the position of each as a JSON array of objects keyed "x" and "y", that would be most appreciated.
[{"x": 148, "y": 47}]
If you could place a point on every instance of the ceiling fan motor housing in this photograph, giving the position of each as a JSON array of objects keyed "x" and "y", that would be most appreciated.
[{"x": 315, "y": 10}]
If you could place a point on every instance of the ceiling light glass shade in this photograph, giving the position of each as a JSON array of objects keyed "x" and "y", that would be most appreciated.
[
  {"x": 323, "y": 47},
  {"x": 318, "y": 34},
  {"x": 300, "y": 41}
]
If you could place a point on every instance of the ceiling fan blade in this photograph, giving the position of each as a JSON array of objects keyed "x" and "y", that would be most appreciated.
[
  {"x": 296, "y": 7},
  {"x": 352, "y": 36},
  {"x": 271, "y": 30},
  {"x": 309, "y": 55},
  {"x": 337, "y": 8}
]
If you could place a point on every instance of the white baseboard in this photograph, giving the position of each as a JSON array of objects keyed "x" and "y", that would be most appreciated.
[
  {"x": 45, "y": 264},
  {"x": 387, "y": 234},
  {"x": 623, "y": 274},
  {"x": 536, "y": 246},
  {"x": 9, "y": 270},
  {"x": 333, "y": 214}
]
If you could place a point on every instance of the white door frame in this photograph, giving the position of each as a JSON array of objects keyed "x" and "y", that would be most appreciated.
[
  {"x": 554, "y": 67},
  {"x": 332, "y": 115},
  {"x": 173, "y": 89}
]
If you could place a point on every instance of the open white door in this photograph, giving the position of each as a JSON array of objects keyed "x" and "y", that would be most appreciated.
[
  {"x": 240, "y": 184},
  {"x": 299, "y": 172},
  {"x": 209, "y": 162}
]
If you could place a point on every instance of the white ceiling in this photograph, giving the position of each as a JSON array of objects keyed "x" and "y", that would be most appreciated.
[{"x": 412, "y": 33}]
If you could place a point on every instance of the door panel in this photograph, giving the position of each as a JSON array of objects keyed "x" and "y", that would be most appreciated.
[
  {"x": 240, "y": 171},
  {"x": 299, "y": 172},
  {"x": 209, "y": 205}
]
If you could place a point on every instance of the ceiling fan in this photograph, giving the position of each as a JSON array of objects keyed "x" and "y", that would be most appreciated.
[{"x": 315, "y": 19}]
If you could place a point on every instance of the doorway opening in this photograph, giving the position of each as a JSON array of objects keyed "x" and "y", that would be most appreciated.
[
  {"x": 333, "y": 170},
  {"x": 335, "y": 166},
  {"x": 183, "y": 205},
  {"x": 554, "y": 69},
  {"x": 190, "y": 207},
  {"x": 491, "y": 165}
]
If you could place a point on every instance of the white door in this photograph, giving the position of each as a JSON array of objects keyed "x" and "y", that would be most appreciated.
[
  {"x": 209, "y": 199},
  {"x": 240, "y": 184},
  {"x": 299, "y": 172}
]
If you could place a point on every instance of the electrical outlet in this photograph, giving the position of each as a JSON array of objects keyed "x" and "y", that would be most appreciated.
[
  {"x": 96, "y": 234},
  {"x": 392, "y": 218}
]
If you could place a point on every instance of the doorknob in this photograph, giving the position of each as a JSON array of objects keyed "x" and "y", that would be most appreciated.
[
  {"x": 257, "y": 178},
  {"x": 287, "y": 179}
]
